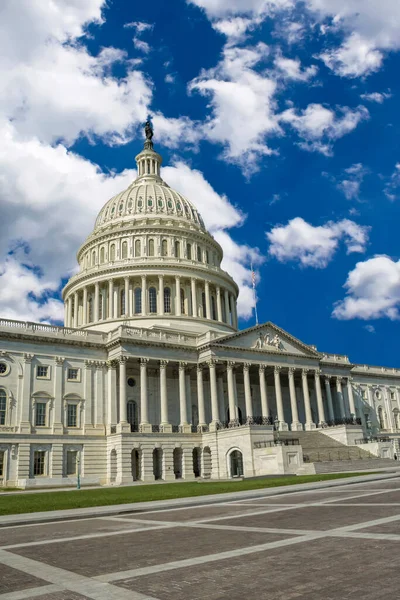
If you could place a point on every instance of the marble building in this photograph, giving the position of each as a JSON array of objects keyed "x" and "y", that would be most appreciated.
[{"x": 150, "y": 377}]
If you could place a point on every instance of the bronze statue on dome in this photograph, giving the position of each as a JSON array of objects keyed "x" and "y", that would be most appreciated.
[{"x": 148, "y": 130}]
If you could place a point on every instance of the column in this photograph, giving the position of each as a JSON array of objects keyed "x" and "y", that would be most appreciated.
[
  {"x": 296, "y": 425},
  {"x": 58, "y": 395},
  {"x": 178, "y": 311},
  {"x": 350, "y": 395},
  {"x": 183, "y": 424},
  {"x": 161, "y": 294},
  {"x": 123, "y": 420},
  {"x": 144, "y": 296},
  {"x": 85, "y": 307},
  {"x": 66, "y": 313},
  {"x": 208, "y": 299},
  {"x": 339, "y": 393},
  {"x": 200, "y": 398},
  {"x": 25, "y": 423},
  {"x": 96, "y": 302},
  {"x": 221, "y": 396},
  {"x": 247, "y": 394},
  {"x": 116, "y": 301},
  {"x": 145, "y": 426},
  {"x": 69, "y": 322},
  {"x": 214, "y": 396},
  {"x": 165, "y": 426},
  {"x": 329, "y": 398},
  {"x": 307, "y": 404},
  {"x": 234, "y": 312},
  {"x": 264, "y": 396},
  {"x": 233, "y": 421},
  {"x": 219, "y": 305},
  {"x": 279, "y": 402},
  {"x": 112, "y": 394},
  {"x": 194, "y": 297},
  {"x": 99, "y": 396},
  {"x": 126, "y": 296},
  {"x": 320, "y": 403},
  {"x": 87, "y": 413},
  {"x": 188, "y": 397},
  {"x": 76, "y": 310},
  {"x": 110, "y": 298},
  {"x": 226, "y": 294}
]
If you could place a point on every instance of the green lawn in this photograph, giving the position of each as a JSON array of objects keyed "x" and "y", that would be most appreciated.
[{"x": 27, "y": 503}]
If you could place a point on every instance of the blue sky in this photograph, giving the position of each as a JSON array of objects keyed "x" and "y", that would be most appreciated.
[{"x": 277, "y": 118}]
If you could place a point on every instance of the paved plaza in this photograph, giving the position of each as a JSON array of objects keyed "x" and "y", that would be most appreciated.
[{"x": 332, "y": 543}]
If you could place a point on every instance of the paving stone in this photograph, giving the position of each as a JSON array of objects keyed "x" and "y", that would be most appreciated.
[
  {"x": 318, "y": 518},
  {"x": 315, "y": 570},
  {"x": 50, "y": 531},
  {"x": 65, "y": 595},
  {"x": 96, "y": 556},
  {"x": 12, "y": 580},
  {"x": 384, "y": 498},
  {"x": 193, "y": 514},
  {"x": 303, "y": 498}
]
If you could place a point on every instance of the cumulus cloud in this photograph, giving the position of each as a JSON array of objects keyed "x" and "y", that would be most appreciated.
[
  {"x": 216, "y": 9},
  {"x": 140, "y": 27},
  {"x": 290, "y": 68},
  {"x": 319, "y": 126},
  {"x": 219, "y": 216},
  {"x": 242, "y": 104},
  {"x": 354, "y": 58},
  {"x": 350, "y": 185},
  {"x": 392, "y": 186},
  {"x": 315, "y": 246},
  {"x": 372, "y": 291},
  {"x": 378, "y": 97}
]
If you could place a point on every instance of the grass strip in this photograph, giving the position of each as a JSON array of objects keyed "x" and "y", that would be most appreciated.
[{"x": 84, "y": 498}]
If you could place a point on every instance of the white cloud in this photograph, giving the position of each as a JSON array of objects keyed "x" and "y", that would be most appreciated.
[
  {"x": 242, "y": 104},
  {"x": 373, "y": 291},
  {"x": 52, "y": 87},
  {"x": 169, "y": 78},
  {"x": 350, "y": 185},
  {"x": 320, "y": 126},
  {"x": 291, "y": 69},
  {"x": 219, "y": 216},
  {"x": 174, "y": 132},
  {"x": 315, "y": 246},
  {"x": 354, "y": 58},
  {"x": 378, "y": 97},
  {"x": 216, "y": 9},
  {"x": 370, "y": 328},
  {"x": 140, "y": 27},
  {"x": 392, "y": 187}
]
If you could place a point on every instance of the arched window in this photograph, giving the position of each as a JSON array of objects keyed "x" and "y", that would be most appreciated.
[
  {"x": 207, "y": 257},
  {"x": 138, "y": 300},
  {"x": 122, "y": 302},
  {"x": 164, "y": 248},
  {"x": 182, "y": 301},
  {"x": 199, "y": 254},
  {"x": 151, "y": 247},
  {"x": 152, "y": 300},
  {"x": 102, "y": 257},
  {"x": 132, "y": 415},
  {"x": 177, "y": 250},
  {"x": 138, "y": 248},
  {"x": 203, "y": 303},
  {"x": 381, "y": 418},
  {"x": 167, "y": 300},
  {"x": 213, "y": 309},
  {"x": 189, "y": 251},
  {"x": 124, "y": 249},
  {"x": 90, "y": 309},
  {"x": 112, "y": 252},
  {"x": 93, "y": 258},
  {"x": 3, "y": 407}
]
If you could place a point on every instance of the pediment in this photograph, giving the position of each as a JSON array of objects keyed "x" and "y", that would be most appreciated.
[{"x": 268, "y": 338}]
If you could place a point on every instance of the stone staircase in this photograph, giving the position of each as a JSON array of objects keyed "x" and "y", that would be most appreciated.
[{"x": 322, "y": 454}]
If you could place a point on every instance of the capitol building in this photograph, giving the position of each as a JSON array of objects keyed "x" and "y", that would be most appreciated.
[{"x": 150, "y": 377}]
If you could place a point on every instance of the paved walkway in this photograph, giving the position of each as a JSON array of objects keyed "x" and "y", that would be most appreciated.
[{"x": 340, "y": 540}]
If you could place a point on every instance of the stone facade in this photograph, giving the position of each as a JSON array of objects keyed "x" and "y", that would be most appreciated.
[{"x": 151, "y": 379}]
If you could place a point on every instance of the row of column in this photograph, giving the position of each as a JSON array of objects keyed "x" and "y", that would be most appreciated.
[
  {"x": 224, "y": 310},
  {"x": 216, "y": 415}
]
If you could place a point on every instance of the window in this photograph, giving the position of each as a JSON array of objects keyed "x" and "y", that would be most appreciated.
[
  {"x": 378, "y": 395},
  {"x": 73, "y": 374},
  {"x": 2, "y": 453},
  {"x": 122, "y": 302},
  {"x": 112, "y": 252},
  {"x": 90, "y": 309},
  {"x": 152, "y": 300},
  {"x": 72, "y": 415},
  {"x": 39, "y": 463},
  {"x": 151, "y": 247},
  {"x": 72, "y": 456},
  {"x": 203, "y": 302},
  {"x": 124, "y": 249},
  {"x": 93, "y": 258},
  {"x": 199, "y": 253},
  {"x": 207, "y": 257},
  {"x": 102, "y": 256},
  {"x": 101, "y": 302},
  {"x": 392, "y": 396},
  {"x": 42, "y": 371},
  {"x": 4, "y": 368},
  {"x": 164, "y": 248},
  {"x": 177, "y": 250},
  {"x": 213, "y": 310},
  {"x": 40, "y": 419},
  {"x": 3, "y": 407},
  {"x": 167, "y": 300},
  {"x": 381, "y": 418},
  {"x": 138, "y": 248},
  {"x": 138, "y": 300},
  {"x": 132, "y": 415},
  {"x": 131, "y": 382},
  {"x": 189, "y": 251},
  {"x": 182, "y": 301}
]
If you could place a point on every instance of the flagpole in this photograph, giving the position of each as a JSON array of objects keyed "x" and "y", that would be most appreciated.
[{"x": 253, "y": 281}]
